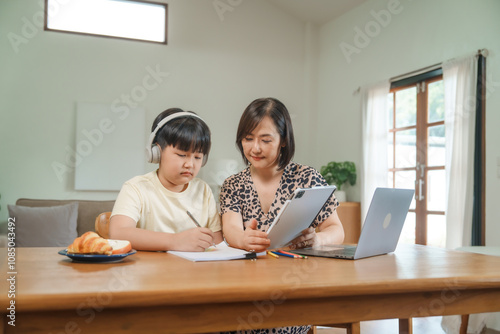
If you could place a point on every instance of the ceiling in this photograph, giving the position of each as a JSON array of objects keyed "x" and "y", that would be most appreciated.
[{"x": 316, "y": 11}]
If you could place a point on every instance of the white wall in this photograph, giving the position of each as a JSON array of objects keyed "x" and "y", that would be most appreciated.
[
  {"x": 215, "y": 67},
  {"x": 421, "y": 33}
]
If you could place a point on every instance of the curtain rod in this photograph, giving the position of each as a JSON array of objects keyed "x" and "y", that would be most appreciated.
[
  {"x": 416, "y": 72},
  {"x": 483, "y": 52},
  {"x": 480, "y": 52}
]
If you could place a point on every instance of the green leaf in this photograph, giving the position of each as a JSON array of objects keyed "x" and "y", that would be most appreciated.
[{"x": 339, "y": 173}]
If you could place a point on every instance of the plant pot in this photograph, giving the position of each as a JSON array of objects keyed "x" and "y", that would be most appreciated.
[{"x": 340, "y": 195}]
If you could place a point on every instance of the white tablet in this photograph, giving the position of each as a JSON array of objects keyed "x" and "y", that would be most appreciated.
[{"x": 297, "y": 214}]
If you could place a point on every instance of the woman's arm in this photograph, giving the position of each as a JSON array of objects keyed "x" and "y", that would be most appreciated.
[
  {"x": 249, "y": 238},
  {"x": 122, "y": 227},
  {"x": 331, "y": 231}
]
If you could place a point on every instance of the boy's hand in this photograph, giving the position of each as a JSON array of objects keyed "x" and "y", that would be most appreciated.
[
  {"x": 194, "y": 240},
  {"x": 253, "y": 239}
]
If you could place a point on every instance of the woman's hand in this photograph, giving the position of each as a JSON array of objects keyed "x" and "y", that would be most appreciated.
[
  {"x": 250, "y": 238},
  {"x": 253, "y": 239},
  {"x": 308, "y": 238},
  {"x": 329, "y": 232}
]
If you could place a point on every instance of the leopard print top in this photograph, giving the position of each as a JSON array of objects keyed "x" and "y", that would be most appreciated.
[{"x": 238, "y": 194}]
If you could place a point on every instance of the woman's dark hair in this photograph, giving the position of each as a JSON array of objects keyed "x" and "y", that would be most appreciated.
[
  {"x": 190, "y": 134},
  {"x": 277, "y": 111}
]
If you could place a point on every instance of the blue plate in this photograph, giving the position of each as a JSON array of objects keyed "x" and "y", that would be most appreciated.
[{"x": 96, "y": 258}]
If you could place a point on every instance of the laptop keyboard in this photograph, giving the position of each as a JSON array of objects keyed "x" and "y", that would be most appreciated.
[
  {"x": 344, "y": 252},
  {"x": 349, "y": 251}
]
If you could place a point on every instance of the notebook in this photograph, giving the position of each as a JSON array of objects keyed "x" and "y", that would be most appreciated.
[
  {"x": 297, "y": 214},
  {"x": 222, "y": 252},
  {"x": 381, "y": 230}
]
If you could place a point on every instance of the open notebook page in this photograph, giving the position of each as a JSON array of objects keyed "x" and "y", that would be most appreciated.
[{"x": 220, "y": 253}]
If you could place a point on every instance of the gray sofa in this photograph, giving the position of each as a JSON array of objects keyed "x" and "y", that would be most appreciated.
[
  {"x": 88, "y": 210},
  {"x": 50, "y": 223}
]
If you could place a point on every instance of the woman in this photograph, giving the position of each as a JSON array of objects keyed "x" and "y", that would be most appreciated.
[{"x": 251, "y": 199}]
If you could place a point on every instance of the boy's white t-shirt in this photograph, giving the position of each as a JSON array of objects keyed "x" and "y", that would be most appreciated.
[{"x": 155, "y": 208}]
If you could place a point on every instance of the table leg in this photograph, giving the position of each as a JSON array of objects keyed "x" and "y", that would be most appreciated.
[
  {"x": 406, "y": 326},
  {"x": 464, "y": 324},
  {"x": 354, "y": 328}
]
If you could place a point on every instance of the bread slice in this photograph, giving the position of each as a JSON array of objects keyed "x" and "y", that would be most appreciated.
[{"x": 119, "y": 246}]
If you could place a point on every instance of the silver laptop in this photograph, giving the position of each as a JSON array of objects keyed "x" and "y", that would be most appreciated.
[{"x": 381, "y": 230}]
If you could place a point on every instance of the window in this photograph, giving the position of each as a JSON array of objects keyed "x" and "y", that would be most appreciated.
[
  {"x": 416, "y": 154},
  {"x": 135, "y": 20}
]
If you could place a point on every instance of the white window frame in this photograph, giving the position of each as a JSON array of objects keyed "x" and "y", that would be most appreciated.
[{"x": 116, "y": 20}]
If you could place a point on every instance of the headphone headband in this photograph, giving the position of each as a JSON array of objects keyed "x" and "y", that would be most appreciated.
[
  {"x": 152, "y": 151},
  {"x": 166, "y": 120}
]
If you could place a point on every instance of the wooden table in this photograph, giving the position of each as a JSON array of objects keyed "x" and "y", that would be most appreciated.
[{"x": 152, "y": 292}]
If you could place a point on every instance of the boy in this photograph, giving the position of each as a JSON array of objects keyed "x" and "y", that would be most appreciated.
[{"x": 151, "y": 209}]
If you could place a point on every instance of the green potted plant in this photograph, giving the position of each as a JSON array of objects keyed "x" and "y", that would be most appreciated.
[{"x": 339, "y": 173}]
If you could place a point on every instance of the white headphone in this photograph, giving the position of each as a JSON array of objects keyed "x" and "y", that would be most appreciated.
[{"x": 153, "y": 152}]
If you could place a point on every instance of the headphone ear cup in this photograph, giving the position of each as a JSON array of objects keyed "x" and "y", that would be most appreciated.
[
  {"x": 155, "y": 154},
  {"x": 148, "y": 154}
]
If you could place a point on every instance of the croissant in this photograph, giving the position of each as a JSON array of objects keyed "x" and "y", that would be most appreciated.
[{"x": 90, "y": 243}]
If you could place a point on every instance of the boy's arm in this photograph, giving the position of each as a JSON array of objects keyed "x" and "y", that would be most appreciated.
[
  {"x": 122, "y": 227},
  {"x": 218, "y": 238}
]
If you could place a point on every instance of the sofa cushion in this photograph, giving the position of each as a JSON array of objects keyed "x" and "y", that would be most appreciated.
[
  {"x": 46, "y": 226},
  {"x": 88, "y": 210}
]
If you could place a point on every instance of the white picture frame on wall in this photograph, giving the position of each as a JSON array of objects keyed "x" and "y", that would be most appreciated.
[{"x": 110, "y": 146}]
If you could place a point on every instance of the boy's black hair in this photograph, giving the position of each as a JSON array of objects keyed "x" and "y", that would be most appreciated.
[{"x": 190, "y": 134}]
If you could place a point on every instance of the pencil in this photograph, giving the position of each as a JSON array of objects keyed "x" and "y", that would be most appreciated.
[
  {"x": 193, "y": 219},
  {"x": 286, "y": 255},
  {"x": 197, "y": 224},
  {"x": 302, "y": 256},
  {"x": 297, "y": 256},
  {"x": 272, "y": 254}
]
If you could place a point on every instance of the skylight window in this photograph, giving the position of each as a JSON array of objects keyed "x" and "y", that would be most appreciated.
[{"x": 135, "y": 20}]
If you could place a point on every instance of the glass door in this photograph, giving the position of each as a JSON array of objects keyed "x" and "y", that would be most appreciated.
[{"x": 416, "y": 157}]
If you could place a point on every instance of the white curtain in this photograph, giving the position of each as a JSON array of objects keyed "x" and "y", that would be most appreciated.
[
  {"x": 374, "y": 116},
  {"x": 460, "y": 80}
]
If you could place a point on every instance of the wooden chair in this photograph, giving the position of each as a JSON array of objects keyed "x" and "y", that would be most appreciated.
[{"x": 102, "y": 224}]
